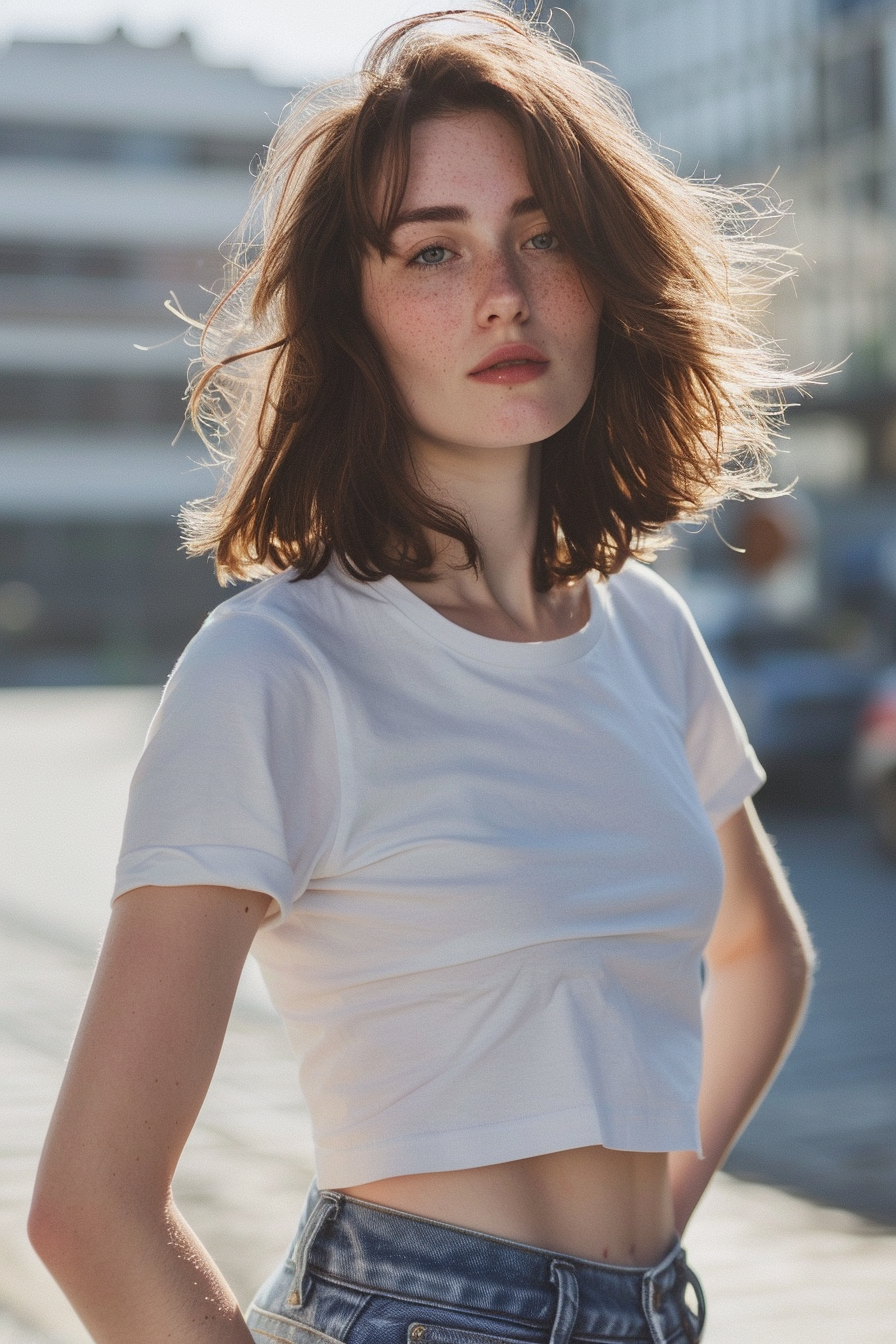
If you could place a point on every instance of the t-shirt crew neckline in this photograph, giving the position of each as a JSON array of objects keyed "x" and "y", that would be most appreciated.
[{"x": 505, "y": 652}]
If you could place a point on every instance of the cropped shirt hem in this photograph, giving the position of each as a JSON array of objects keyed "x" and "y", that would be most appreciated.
[{"x": 506, "y": 1141}]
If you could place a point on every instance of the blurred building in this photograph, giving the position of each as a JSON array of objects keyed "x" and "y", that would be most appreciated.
[
  {"x": 805, "y": 91},
  {"x": 793, "y": 594},
  {"x": 122, "y": 169}
]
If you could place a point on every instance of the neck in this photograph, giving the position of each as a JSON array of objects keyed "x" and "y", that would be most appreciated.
[{"x": 496, "y": 491}]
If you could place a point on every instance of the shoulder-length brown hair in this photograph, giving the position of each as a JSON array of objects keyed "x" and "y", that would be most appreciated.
[{"x": 293, "y": 393}]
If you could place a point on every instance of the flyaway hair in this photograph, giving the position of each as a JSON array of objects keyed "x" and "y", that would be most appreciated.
[{"x": 293, "y": 395}]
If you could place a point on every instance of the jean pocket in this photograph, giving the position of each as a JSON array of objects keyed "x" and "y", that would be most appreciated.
[
  {"x": 269, "y": 1327},
  {"x": 325, "y": 1316},
  {"x": 424, "y": 1333}
]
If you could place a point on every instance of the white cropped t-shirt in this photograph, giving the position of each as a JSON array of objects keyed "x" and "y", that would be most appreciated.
[{"x": 494, "y": 863}]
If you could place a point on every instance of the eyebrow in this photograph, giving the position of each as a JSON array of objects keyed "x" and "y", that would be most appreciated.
[{"x": 458, "y": 214}]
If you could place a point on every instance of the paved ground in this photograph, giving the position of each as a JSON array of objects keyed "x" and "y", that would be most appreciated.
[{"x": 778, "y": 1270}]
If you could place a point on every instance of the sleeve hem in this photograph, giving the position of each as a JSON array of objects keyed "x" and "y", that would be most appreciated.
[
  {"x": 747, "y": 779},
  {"x": 207, "y": 865}
]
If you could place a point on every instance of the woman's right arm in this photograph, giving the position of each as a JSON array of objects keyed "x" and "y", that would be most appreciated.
[{"x": 103, "y": 1219}]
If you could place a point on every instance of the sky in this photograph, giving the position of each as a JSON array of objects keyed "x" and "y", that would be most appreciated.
[{"x": 282, "y": 40}]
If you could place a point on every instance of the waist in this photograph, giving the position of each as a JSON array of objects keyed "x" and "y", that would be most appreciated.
[{"x": 593, "y": 1202}]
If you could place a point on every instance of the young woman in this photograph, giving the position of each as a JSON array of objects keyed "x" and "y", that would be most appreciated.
[{"x": 459, "y": 769}]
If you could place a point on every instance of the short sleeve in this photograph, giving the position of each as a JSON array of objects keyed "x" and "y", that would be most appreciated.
[
  {"x": 238, "y": 782},
  {"x": 723, "y": 762}
]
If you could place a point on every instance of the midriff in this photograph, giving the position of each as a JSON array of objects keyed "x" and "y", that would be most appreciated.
[{"x": 595, "y": 1203}]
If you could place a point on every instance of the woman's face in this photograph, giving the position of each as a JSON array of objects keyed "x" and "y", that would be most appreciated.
[{"x": 487, "y": 328}]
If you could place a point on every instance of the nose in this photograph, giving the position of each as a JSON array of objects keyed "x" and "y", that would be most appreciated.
[{"x": 502, "y": 295}]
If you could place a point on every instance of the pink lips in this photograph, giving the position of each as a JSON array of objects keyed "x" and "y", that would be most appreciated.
[{"x": 510, "y": 365}]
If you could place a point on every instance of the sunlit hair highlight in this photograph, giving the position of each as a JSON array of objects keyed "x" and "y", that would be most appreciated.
[{"x": 292, "y": 393}]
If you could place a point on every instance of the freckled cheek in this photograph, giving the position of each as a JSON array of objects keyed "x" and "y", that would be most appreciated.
[
  {"x": 418, "y": 336},
  {"x": 406, "y": 329},
  {"x": 572, "y": 317}
]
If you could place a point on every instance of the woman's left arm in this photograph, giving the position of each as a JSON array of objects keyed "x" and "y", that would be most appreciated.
[{"x": 758, "y": 972}]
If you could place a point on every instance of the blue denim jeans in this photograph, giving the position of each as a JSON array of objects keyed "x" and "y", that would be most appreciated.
[{"x": 358, "y": 1273}]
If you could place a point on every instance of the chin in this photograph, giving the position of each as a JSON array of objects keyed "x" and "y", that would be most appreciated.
[
  {"x": 515, "y": 428},
  {"x": 528, "y": 431},
  {"x": 515, "y": 425},
  {"x": 536, "y": 423}
]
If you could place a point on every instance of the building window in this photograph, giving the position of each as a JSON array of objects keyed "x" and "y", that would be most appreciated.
[
  {"x": 97, "y": 262},
  {"x": 158, "y": 149},
  {"x": 73, "y": 400},
  {"x": 852, "y": 91},
  {"x": 845, "y": 6},
  {"x": 84, "y": 602}
]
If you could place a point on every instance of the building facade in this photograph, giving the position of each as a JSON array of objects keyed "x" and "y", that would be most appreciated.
[
  {"x": 801, "y": 93},
  {"x": 122, "y": 169}
]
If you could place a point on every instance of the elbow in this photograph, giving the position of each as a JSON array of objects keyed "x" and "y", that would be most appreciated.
[
  {"x": 52, "y": 1230},
  {"x": 78, "y": 1219},
  {"x": 806, "y": 973},
  {"x": 71, "y": 1223},
  {"x": 776, "y": 946},
  {"x": 789, "y": 958},
  {"x": 68, "y": 1238},
  {"x": 796, "y": 961},
  {"x": 809, "y": 959},
  {"x": 63, "y": 1218},
  {"x": 799, "y": 952}
]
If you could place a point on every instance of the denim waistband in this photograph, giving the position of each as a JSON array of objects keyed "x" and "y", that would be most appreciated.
[{"x": 380, "y": 1250}]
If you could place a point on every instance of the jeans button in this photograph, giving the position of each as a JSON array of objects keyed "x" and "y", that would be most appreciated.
[{"x": 417, "y": 1332}]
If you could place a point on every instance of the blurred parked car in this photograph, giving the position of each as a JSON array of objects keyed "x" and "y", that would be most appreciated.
[{"x": 874, "y": 760}]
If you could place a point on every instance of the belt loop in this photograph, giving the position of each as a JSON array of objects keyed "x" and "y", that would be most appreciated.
[
  {"x": 563, "y": 1276},
  {"x": 327, "y": 1206},
  {"x": 652, "y": 1302},
  {"x": 653, "y": 1299}
]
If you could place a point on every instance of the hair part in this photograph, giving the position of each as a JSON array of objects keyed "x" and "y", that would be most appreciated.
[{"x": 293, "y": 395}]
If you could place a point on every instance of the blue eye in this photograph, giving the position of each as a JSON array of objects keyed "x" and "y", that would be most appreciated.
[
  {"x": 543, "y": 242},
  {"x": 432, "y": 256}
]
